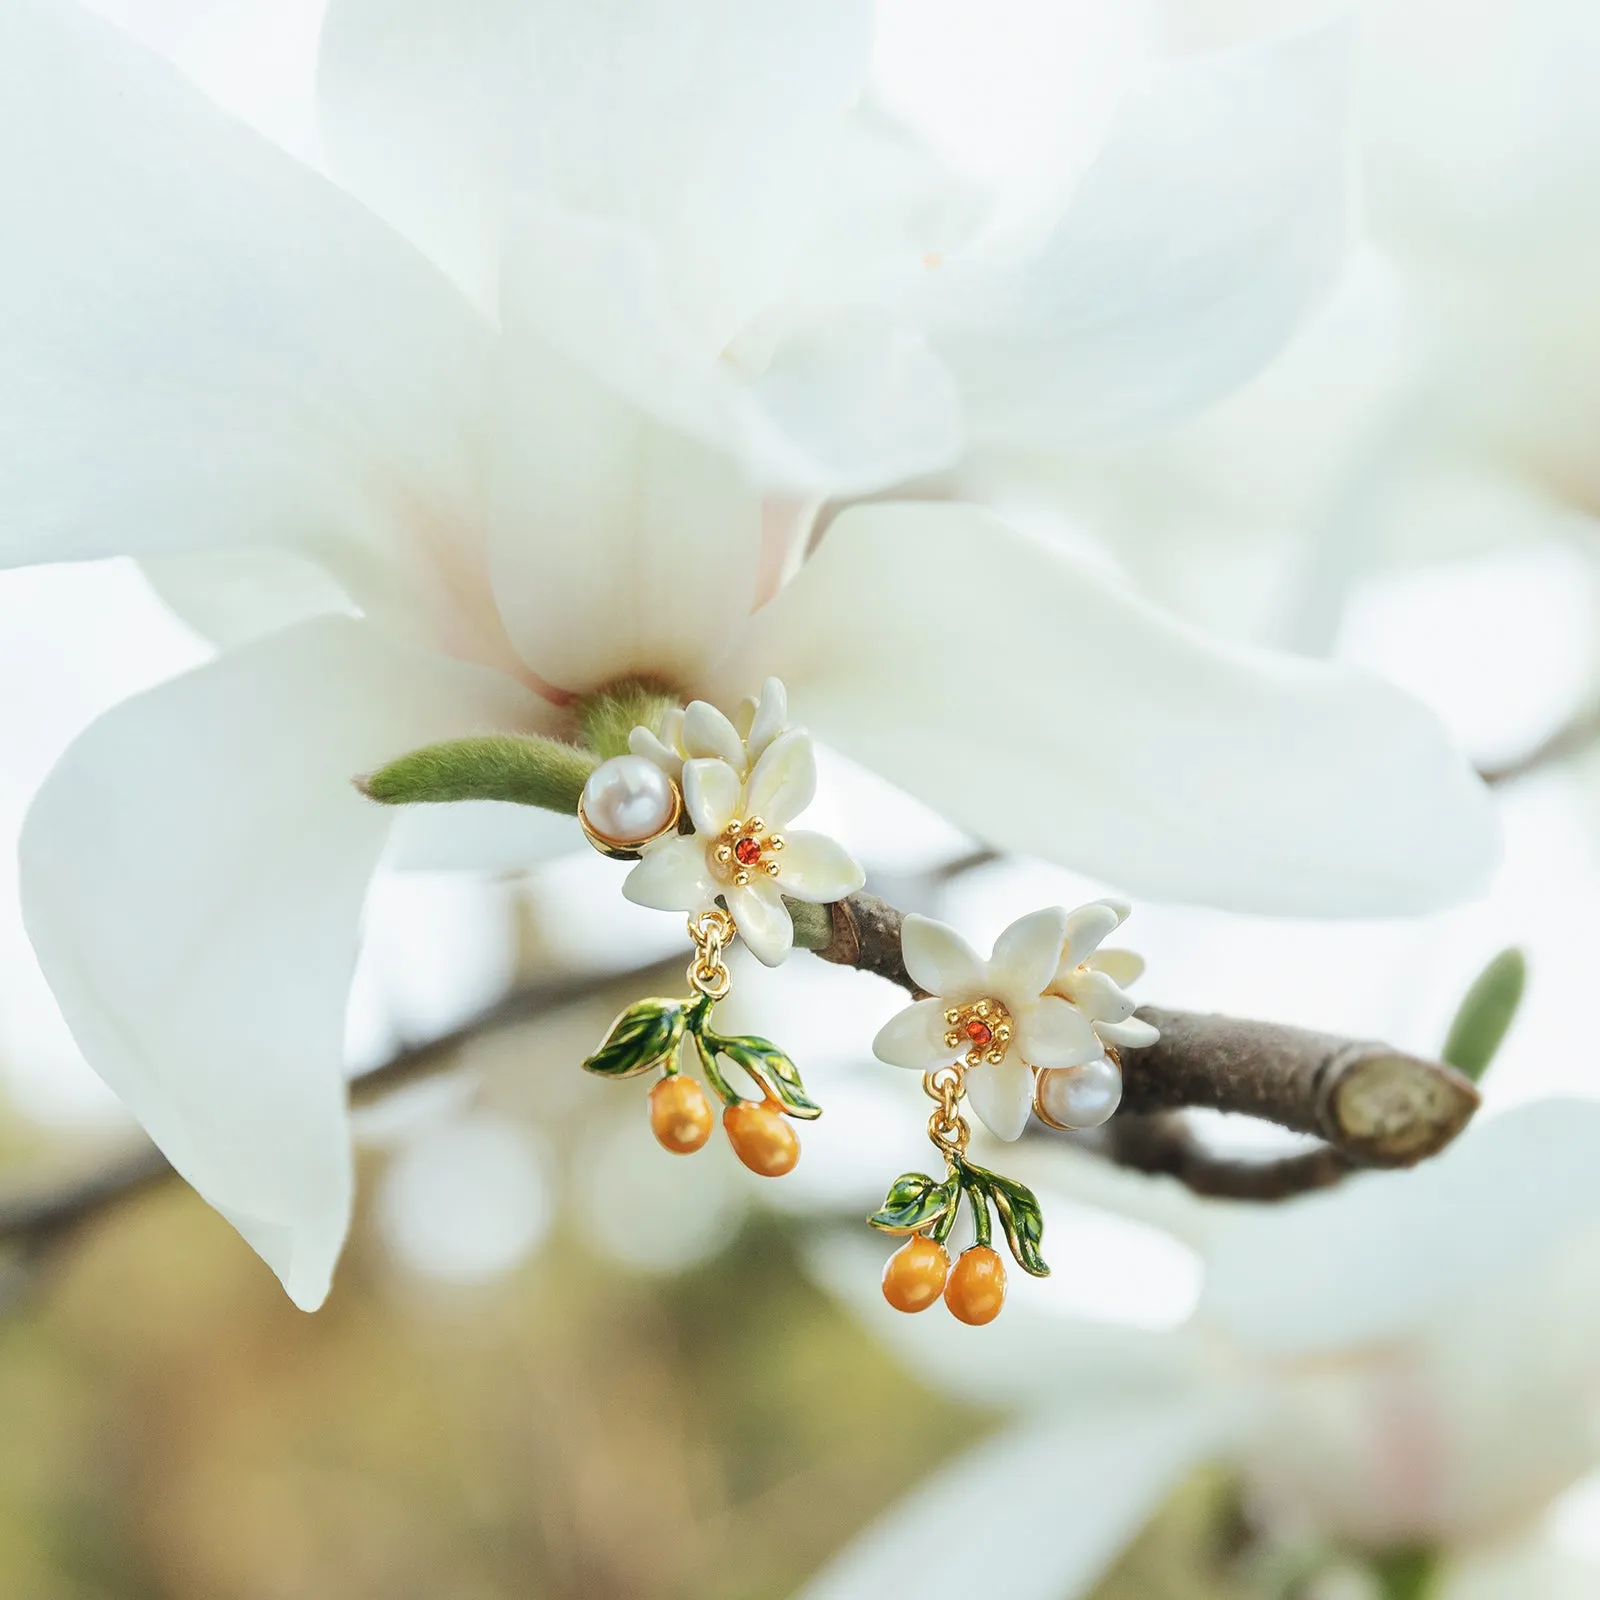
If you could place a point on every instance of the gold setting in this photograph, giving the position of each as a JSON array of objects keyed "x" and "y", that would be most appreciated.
[
  {"x": 982, "y": 1029},
  {"x": 744, "y": 850},
  {"x": 616, "y": 851}
]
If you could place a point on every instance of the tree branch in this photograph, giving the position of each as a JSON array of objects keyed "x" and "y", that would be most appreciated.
[
  {"x": 1371, "y": 1105},
  {"x": 1374, "y": 1105}
]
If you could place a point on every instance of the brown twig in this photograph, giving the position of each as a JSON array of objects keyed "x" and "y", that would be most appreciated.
[
  {"x": 1371, "y": 1105},
  {"x": 1162, "y": 1145}
]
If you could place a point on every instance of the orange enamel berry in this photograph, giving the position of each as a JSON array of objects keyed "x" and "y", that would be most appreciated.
[
  {"x": 976, "y": 1287},
  {"x": 762, "y": 1137},
  {"x": 914, "y": 1275},
  {"x": 680, "y": 1115}
]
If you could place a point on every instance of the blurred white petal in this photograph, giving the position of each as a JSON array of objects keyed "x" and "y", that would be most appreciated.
[
  {"x": 1212, "y": 220},
  {"x": 1243, "y": 779},
  {"x": 193, "y": 873}
]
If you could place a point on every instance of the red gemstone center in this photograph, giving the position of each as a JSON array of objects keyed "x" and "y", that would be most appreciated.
[
  {"x": 980, "y": 1033},
  {"x": 747, "y": 852}
]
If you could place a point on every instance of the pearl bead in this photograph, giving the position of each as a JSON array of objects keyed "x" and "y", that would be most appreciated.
[
  {"x": 628, "y": 800},
  {"x": 1080, "y": 1097}
]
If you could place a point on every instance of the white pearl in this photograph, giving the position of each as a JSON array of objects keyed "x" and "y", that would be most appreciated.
[
  {"x": 628, "y": 800},
  {"x": 1080, "y": 1097}
]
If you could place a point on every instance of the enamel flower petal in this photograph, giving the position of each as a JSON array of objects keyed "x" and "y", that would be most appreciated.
[
  {"x": 711, "y": 792},
  {"x": 784, "y": 781},
  {"x": 672, "y": 876},
  {"x": 818, "y": 869},
  {"x": 941, "y": 961},
  {"x": 1026, "y": 954},
  {"x": 1052, "y": 1032},
  {"x": 763, "y": 921},
  {"x": 1002, "y": 1095},
  {"x": 915, "y": 1037}
]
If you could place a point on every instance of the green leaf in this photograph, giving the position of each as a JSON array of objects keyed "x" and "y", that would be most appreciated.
[
  {"x": 526, "y": 770},
  {"x": 769, "y": 1067},
  {"x": 1406, "y": 1574},
  {"x": 1485, "y": 1014},
  {"x": 607, "y": 717},
  {"x": 914, "y": 1200},
  {"x": 646, "y": 1035},
  {"x": 1020, "y": 1216}
]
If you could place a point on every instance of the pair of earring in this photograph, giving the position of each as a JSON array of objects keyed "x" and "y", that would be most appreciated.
[{"x": 702, "y": 805}]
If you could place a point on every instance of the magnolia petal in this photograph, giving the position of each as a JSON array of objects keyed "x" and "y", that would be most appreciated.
[
  {"x": 914, "y": 1037},
  {"x": 941, "y": 961},
  {"x": 1243, "y": 779},
  {"x": 1053, "y": 1033},
  {"x": 817, "y": 868},
  {"x": 1135, "y": 1033},
  {"x": 711, "y": 795},
  {"x": 1123, "y": 967},
  {"x": 763, "y": 921},
  {"x": 1111, "y": 1463},
  {"x": 706, "y": 732},
  {"x": 1025, "y": 954},
  {"x": 1369, "y": 1262},
  {"x": 770, "y": 719},
  {"x": 672, "y": 876},
  {"x": 1087, "y": 926},
  {"x": 193, "y": 873},
  {"x": 247, "y": 357},
  {"x": 1097, "y": 995},
  {"x": 619, "y": 547},
  {"x": 1215, "y": 216},
  {"x": 699, "y": 126},
  {"x": 784, "y": 781},
  {"x": 644, "y": 743},
  {"x": 1001, "y": 1093}
]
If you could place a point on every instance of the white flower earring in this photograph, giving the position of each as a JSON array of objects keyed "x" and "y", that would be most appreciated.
[
  {"x": 702, "y": 804},
  {"x": 1032, "y": 1030}
]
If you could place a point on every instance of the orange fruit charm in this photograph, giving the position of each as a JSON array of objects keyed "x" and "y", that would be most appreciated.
[
  {"x": 762, "y": 1137},
  {"x": 680, "y": 1116},
  {"x": 914, "y": 1275},
  {"x": 976, "y": 1287}
]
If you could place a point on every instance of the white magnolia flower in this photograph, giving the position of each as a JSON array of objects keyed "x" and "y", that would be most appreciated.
[
  {"x": 995, "y": 1013},
  {"x": 1446, "y": 401},
  {"x": 742, "y": 848},
  {"x": 739, "y": 242},
  {"x": 422, "y": 524},
  {"x": 1411, "y": 1359},
  {"x": 1094, "y": 980},
  {"x": 699, "y": 729}
]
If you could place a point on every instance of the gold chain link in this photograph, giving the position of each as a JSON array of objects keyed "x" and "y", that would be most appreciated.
[
  {"x": 947, "y": 1127},
  {"x": 712, "y": 932}
]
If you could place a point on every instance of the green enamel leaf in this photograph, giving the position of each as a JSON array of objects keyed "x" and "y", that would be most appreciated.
[
  {"x": 528, "y": 771},
  {"x": 1019, "y": 1213},
  {"x": 646, "y": 1035},
  {"x": 915, "y": 1200},
  {"x": 1485, "y": 1014},
  {"x": 769, "y": 1067}
]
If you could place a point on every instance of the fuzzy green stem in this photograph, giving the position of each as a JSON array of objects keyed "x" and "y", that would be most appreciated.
[
  {"x": 609, "y": 715},
  {"x": 527, "y": 770}
]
